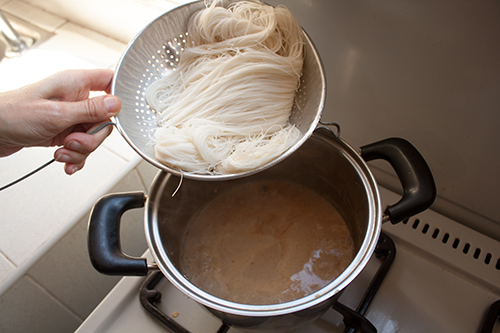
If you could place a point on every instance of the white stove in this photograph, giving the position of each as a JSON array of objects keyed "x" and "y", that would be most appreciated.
[{"x": 444, "y": 278}]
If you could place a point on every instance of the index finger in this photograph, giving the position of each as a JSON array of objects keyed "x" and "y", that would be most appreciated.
[
  {"x": 74, "y": 85},
  {"x": 99, "y": 79}
]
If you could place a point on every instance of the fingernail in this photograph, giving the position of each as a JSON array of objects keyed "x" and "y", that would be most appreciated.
[
  {"x": 74, "y": 145},
  {"x": 62, "y": 158},
  {"x": 111, "y": 103},
  {"x": 73, "y": 170}
]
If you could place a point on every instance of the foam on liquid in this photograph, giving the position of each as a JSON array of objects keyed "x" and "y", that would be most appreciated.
[{"x": 266, "y": 242}]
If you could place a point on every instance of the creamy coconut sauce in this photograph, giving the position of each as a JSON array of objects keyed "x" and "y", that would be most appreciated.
[{"x": 266, "y": 242}]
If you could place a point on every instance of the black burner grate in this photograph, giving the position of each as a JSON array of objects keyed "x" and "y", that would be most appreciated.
[
  {"x": 491, "y": 317},
  {"x": 353, "y": 319}
]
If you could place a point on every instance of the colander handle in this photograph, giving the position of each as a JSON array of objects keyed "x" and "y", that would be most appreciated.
[
  {"x": 104, "y": 235},
  {"x": 413, "y": 173}
]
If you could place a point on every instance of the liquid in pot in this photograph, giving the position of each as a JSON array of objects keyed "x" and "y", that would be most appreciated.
[{"x": 265, "y": 243}]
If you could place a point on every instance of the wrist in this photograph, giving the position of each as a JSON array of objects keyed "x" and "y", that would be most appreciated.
[{"x": 6, "y": 147}]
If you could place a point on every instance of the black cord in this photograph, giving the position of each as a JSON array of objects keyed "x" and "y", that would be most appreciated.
[
  {"x": 27, "y": 175},
  {"x": 49, "y": 162}
]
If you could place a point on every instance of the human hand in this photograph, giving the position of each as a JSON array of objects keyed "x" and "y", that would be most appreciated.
[{"x": 57, "y": 111}]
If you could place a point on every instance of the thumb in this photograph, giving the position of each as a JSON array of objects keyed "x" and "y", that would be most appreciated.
[{"x": 94, "y": 110}]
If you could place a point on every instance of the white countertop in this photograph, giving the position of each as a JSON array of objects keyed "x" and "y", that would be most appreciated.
[{"x": 36, "y": 212}]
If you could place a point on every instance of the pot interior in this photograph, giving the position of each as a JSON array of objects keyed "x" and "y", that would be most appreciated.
[{"x": 323, "y": 164}]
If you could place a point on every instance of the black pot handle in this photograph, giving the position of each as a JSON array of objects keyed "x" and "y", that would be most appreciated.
[
  {"x": 413, "y": 173},
  {"x": 104, "y": 235}
]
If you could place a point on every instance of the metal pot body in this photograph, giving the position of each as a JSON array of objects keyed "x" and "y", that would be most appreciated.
[{"x": 324, "y": 164}]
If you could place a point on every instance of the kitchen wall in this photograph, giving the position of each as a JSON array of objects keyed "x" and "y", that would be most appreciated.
[{"x": 427, "y": 71}]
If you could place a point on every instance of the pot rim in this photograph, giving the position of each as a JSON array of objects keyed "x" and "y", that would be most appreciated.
[{"x": 348, "y": 275}]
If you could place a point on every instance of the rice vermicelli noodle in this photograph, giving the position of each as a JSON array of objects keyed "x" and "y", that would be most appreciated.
[{"x": 226, "y": 107}]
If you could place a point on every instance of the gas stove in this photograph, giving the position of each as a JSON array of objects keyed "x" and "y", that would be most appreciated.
[{"x": 429, "y": 274}]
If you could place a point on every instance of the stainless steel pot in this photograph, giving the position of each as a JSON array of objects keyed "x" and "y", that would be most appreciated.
[{"x": 325, "y": 164}]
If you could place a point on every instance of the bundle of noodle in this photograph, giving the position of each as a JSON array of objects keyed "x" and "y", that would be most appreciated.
[{"x": 225, "y": 109}]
